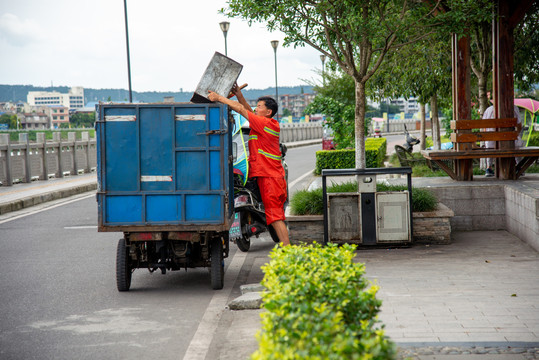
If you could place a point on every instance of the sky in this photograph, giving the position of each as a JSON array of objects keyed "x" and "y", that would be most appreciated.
[{"x": 82, "y": 43}]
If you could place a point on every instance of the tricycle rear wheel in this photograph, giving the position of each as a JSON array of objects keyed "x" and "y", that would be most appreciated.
[
  {"x": 123, "y": 270},
  {"x": 217, "y": 270}
]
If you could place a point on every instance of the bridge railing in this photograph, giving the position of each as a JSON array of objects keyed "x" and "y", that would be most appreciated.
[
  {"x": 26, "y": 161},
  {"x": 301, "y": 131}
]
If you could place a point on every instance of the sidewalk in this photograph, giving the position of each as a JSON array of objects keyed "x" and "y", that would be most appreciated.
[
  {"x": 477, "y": 298},
  {"x": 20, "y": 196}
]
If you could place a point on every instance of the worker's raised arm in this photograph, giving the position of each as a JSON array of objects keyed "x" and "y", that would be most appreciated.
[
  {"x": 236, "y": 90},
  {"x": 234, "y": 105}
]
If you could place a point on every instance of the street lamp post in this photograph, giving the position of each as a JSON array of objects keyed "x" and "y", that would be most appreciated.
[
  {"x": 225, "y": 25},
  {"x": 128, "y": 59},
  {"x": 323, "y": 58},
  {"x": 274, "y": 44}
]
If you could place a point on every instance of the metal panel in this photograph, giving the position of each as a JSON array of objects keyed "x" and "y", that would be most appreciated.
[
  {"x": 393, "y": 217},
  {"x": 343, "y": 225},
  {"x": 368, "y": 218},
  {"x": 156, "y": 148},
  {"x": 163, "y": 208},
  {"x": 123, "y": 209},
  {"x": 121, "y": 151},
  {"x": 220, "y": 75}
]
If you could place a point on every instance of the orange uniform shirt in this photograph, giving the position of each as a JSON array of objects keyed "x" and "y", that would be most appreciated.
[{"x": 264, "y": 149}]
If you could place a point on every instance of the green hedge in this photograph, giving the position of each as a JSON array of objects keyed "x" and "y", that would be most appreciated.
[
  {"x": 310, "y": 202},
  {"x": 320, "y": 306},
  {"x": 375, "y": 152}
]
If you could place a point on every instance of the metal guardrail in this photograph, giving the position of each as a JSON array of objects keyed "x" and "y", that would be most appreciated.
[{"x": 26, "y": 161}]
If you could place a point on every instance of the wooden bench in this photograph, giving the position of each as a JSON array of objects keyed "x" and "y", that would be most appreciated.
[{"x": 466, "y": 135}]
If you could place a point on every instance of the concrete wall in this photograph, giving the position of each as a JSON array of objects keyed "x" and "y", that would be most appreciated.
[
  {"x": 511, "y": 206},
  {"x": 522, "y": 213},
  {"x": 475, "y": 207}
]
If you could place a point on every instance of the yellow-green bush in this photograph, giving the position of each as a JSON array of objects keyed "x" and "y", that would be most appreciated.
[
  {"x": 375, "y": 152},
  {"x": 320, "y": 306}
]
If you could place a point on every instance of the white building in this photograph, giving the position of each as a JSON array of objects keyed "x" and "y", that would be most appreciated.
[
  {"x": 72, "y": 100},
  {"x": 406, "y": 106}
]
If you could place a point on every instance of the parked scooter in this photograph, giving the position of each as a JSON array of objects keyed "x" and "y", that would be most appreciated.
[
  {"x": 249, "y": 215},
  {"x": 410, "y": 140}
]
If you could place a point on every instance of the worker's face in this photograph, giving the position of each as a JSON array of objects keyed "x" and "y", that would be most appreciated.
[{"x": 262, "y": 110}]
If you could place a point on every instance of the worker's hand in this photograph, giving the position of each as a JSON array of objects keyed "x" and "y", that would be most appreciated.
[
  {"x": 213, "y": 96},
  {"x": 236, "y": 90}
]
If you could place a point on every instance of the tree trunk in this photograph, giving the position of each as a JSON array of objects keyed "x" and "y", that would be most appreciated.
[
  {"x": 422, "y": 135},
  {"x": 360, "y": 125},
  {"x": 481, "y": 61},
  {"x": 435, "y": 122},
  {"x": 483, "y": 97}
]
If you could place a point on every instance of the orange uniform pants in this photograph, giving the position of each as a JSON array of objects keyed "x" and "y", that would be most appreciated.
[{"x": 273, "y": 192}]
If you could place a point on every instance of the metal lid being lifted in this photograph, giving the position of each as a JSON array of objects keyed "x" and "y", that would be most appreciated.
[{"x": 219, "y": 77}]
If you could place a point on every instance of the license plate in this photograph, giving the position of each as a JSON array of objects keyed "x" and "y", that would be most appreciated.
[{"x": 235, "y": 229}]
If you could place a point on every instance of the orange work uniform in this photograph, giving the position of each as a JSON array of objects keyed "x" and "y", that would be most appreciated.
[{"x": 265, "y": 164}]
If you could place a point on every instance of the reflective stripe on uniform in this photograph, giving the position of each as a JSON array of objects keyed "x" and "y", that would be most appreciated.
[
  {"x": 253, "y": 137},
  {"x": 268, "y": 155},
  {"x": 270, "y": 131}
]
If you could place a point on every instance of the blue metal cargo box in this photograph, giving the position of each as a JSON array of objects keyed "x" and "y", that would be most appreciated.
[{"x": 164, "y": 167}]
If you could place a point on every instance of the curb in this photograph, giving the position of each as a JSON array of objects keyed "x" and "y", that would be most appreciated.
[
  {"x": 45, "y": 197},
  {"x": 303, "y": 143}
]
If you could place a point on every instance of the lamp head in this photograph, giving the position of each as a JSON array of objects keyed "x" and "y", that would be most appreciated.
[
  {"x": 225, "y": 25},
  {"x": 274, "y": 44}
]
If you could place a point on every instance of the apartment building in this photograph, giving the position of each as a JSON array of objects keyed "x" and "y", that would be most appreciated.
[
  {"x": 295, "y": 103},
  {"x": 58, "y": 115},
  {"x": 34, "y": 121},
  {"x": 73, "y": 100},
  {"x": 407, "y": 106}
]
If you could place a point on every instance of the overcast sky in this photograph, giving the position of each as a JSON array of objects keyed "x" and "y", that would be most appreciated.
[{"x": 82, "y": 43}]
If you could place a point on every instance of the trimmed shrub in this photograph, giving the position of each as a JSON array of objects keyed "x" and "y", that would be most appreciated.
[
  {"x": 375, "y": 152},
  {"x": 310, "y": 202},
  {"x": 335, "y": 159},
  {"x": 320, "y": 306}
]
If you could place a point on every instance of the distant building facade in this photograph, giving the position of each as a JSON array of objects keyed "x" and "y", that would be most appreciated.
[
  {"x": 73, "y": 100},
  {"x": 406, "y": 106},
  {"x": 34, "y": 121},
  {"x": 295, "y": 103},
  {"x": 58, "y": 115}
]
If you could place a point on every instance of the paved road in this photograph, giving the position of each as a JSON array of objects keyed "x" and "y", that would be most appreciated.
[{"x": 59, "y": 298}]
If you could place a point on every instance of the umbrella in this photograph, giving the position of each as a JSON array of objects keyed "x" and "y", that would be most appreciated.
[
  {"x": 528, "y": 104},
  {"x": 532, "y": 106}
]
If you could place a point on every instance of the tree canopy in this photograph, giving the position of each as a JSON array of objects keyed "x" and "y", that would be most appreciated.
[{"x": 355, "y": 35}]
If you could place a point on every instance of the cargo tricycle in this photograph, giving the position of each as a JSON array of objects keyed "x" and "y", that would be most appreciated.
[{"x": 165, "y": 181}]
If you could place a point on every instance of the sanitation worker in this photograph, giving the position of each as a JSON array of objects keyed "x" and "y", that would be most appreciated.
[{"x": 264, "y": 155}]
